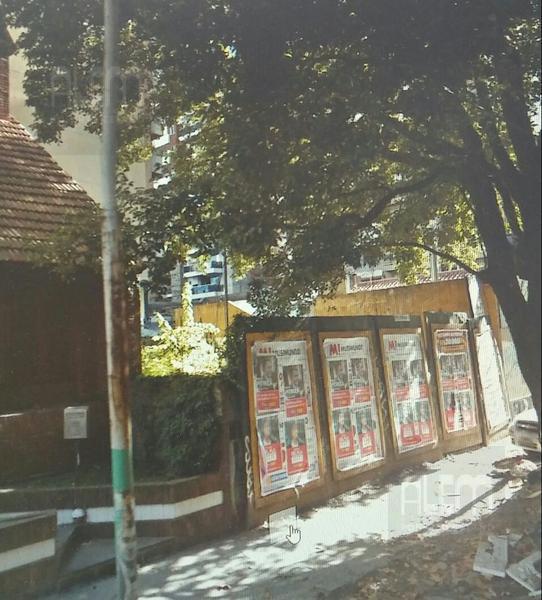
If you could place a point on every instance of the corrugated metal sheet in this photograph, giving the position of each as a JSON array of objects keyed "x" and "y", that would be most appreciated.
[{"x": 36, "y": 195}]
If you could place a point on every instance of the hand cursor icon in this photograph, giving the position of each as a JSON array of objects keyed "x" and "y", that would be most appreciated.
[{"x": 294, "y": 536}]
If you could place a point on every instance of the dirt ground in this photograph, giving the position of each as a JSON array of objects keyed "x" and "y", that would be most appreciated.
[{"x": 440, "y": 567}]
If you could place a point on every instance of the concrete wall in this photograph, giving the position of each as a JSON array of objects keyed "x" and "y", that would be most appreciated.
[
  {"x": 214, "y": 313},
  {"x": 440, "y": 296},
  {"x": 27, "y": 550},
  {"x": 445, "y": 296}
]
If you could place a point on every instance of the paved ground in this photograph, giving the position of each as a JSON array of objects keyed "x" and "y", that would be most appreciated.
[
  {"x": 340, "y": 542},
  {"x": 441, "y": 567}
]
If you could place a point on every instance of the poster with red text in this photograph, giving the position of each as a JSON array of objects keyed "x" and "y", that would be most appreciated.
[
  {"x": 456, "y": 379},
  {"x": 351, "y": 400},
  {"x": 285, "y": 426},
  {"x": 409, "y": 390}
]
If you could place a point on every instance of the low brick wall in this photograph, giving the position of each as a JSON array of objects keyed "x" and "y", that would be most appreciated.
[
  {"x": 27, "y": 553},
  {"x": 32, "y": 442},
  {"x": 192, "y": 509}
]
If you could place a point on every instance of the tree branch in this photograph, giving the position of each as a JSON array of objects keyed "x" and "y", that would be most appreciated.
[
  {"x": 508, "y": 169},
  {"x": 508, "y": 70},
  {"x": 509, "y": 209},
  {"x": 441, "y": 147},
  {"x": 440, "y": 253},
  {"x": 409, "y": 159},
  {"x": 378, "y": 208}
]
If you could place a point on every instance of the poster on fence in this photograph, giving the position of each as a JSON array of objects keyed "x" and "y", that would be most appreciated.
[
  {"x": 455, "y": 377},
  {"x": 409, "y": 390},
  {"x": 283, "y": 409},
  {"x": 351, "y": 401}
]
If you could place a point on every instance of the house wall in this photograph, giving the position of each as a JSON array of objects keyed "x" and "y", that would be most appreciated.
[
  {"x": 52, "y": 348},
  {"x": 80, "y": 152},
  {"x": 32, "y": 442}
]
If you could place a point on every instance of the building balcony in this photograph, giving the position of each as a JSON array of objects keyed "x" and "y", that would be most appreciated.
[
  {"x": 209, "y": 288},
  {"x": 191, "y": 271}
]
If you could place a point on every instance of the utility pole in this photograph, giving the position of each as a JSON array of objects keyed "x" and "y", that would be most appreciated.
[
  {"x": 226, "y": 293},
  {"x": 116, "y": 322},
  {"x": 434, "y": 266}
]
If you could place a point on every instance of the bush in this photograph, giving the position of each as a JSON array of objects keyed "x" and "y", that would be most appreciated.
[
  {"x": 192, "y": 347},
  {"x": 176, "y": 425}
]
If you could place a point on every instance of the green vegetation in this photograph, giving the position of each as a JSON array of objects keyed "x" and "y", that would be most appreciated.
[
  {"x": 321, "y": 131},
  {"x": 176, "y": 425},
  {"x": 193, "y": 348}
]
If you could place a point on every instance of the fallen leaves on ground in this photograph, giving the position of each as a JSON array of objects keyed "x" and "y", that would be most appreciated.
[{"x": 440, "y": 567}]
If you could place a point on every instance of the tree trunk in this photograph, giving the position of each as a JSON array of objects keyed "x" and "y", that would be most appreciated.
[{"x": 523, "y": 318}]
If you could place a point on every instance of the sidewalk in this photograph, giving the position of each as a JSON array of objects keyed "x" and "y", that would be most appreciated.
[{"x": 340, "y": 542}]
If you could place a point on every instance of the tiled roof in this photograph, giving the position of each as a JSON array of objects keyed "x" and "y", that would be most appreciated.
[
  {"x": 385, "y": 284},
  {"x": 36, "y": 195}
]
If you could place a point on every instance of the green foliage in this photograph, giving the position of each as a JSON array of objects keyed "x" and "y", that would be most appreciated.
[
  {"x": 73, "y": 247},
  {"x": 176, "y": 425},
  {"x": 234, "y": 350},
  {"x": 315, "y": 132},
  {"x": 192, "y": 348},
  {"x": 187, "y": 312},
  {"x": 158, "y": 229}
]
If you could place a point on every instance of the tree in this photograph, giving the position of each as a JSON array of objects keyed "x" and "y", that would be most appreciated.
[
  {"x": 187, "y": 312},
  {"x": 321, "y": 130}
]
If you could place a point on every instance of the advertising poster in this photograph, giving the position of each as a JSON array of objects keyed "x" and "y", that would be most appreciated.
[
  {"x": 266, "y": 376},
  {"x": 338, "y": 380},
  {"x": 456, "y": 379},
  {"x": 409, "y": 390},
  {"x": 287, "y": 440},
  {"x": 351, "y": 401}
]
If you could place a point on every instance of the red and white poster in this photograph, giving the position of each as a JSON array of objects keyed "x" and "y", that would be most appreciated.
[
  {"x": 409, "y": 390},
  {"x": 338, "y": 380},
  {"x": 456, "y": 379},
  {"x": 285, "y": 429},
  {"x": 269, "y": 440},
  {"x": 352, "y": 401},
  {"x": 296, "y": 447},
  {"x": 344, "y": 433},
  {"x": 366, "y": 428},
  {"x": 266, "y": 380}
]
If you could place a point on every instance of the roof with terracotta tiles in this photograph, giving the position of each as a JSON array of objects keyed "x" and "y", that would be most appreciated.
[
  {"x": 36, "y": 196},
  {"x": 393, "y": 282}
]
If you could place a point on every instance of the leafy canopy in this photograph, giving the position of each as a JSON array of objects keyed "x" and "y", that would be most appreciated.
[{"x": 316, "y": 131}]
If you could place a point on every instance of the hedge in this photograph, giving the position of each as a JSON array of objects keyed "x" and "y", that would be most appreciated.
[{"x": 176, "y": 425}]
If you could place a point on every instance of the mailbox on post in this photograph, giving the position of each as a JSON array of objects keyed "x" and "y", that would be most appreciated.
[
  {"x": 76, "y": 428},
  {"x": 75, "y": 422}
]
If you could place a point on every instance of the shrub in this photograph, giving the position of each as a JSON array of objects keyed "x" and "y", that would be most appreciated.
[
  {"x": 190, "y": 348},
  {"x": 176, "y": 425}
]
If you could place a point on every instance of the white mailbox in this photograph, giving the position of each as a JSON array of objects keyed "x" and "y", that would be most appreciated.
[{"x": 75, "y": 422}]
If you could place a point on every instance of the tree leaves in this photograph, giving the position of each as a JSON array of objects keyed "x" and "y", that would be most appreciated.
[{"x": 297, "y": 117}]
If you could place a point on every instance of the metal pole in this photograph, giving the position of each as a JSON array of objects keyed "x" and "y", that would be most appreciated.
[
  {"x": 116, "y": 323},
  {"x": 226, "y": 292},
  {"x": 434, "y": 266}
]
